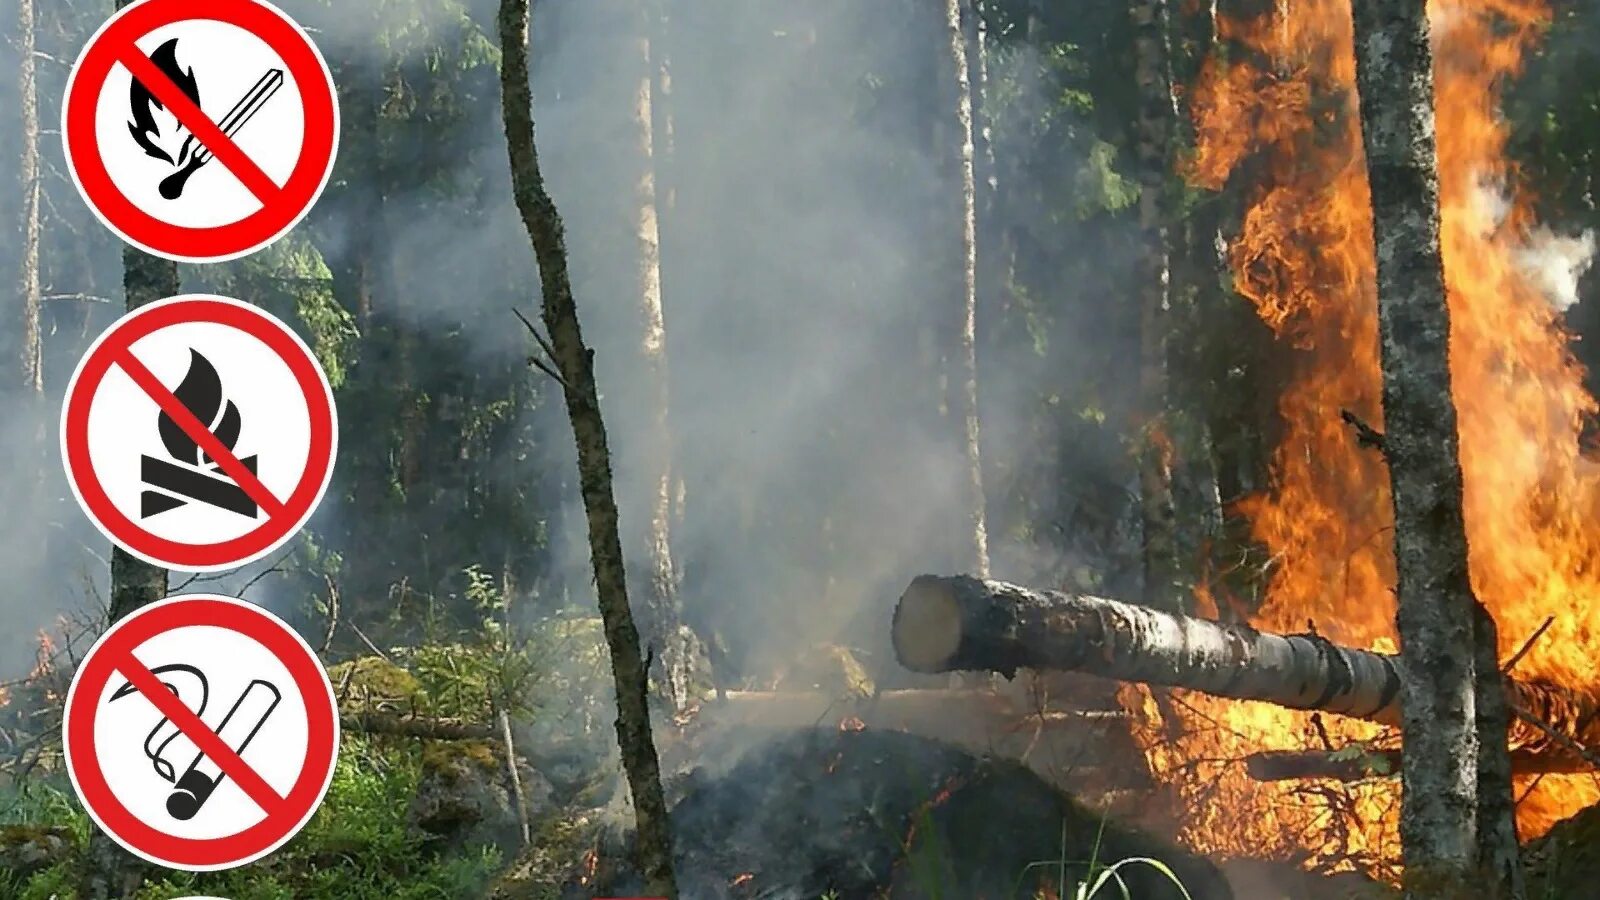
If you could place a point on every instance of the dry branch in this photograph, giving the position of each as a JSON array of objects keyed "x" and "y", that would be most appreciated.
[{"x": 1353, "y": 764}]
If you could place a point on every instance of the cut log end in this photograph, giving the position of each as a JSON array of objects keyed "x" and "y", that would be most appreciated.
[{"x": 927, "y": 625}]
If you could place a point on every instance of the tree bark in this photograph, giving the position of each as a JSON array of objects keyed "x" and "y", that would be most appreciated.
[
  {"x": 663, "y": 618},
  {"x": 1153, "y": 138},
  {"x": 134, "y": 582},
  {"x": 1453, "y": 818},
  {"x": 32, "y": 356},
  {"x": 948, "y": 624},
  {"x": 957, "y": 13},
  {"x": 575, "y": 364}
]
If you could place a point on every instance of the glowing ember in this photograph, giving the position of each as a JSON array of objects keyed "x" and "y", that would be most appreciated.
[
  {"x": 852, "y": 723},
  {"x": 1304, "y": 258},
  {"x": 742, "y": 878}
]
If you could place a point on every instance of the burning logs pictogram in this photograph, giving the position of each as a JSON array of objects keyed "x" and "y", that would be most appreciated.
[{"x": 947, "y": 624}]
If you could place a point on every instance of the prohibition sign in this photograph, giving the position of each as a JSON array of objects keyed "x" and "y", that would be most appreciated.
[
  {"x": 263, "y": 181},
  {"x": 257, "y": 803},
  {"x": 116, "y": 406}
]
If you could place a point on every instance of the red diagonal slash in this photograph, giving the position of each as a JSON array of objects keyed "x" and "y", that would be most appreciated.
[
  {"x": 198, "y": 432},
  {"x": 165, "y": 702},
  {"x": 200, "y": 125}
]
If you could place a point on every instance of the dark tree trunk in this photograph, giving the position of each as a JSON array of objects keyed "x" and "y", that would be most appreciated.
[
  {"x": 107, "y": 872},
  {"x": 1446, "y": 638},
  {"x": 1153, "y": 151},
  {"x": 134, "y": 582},
  {"x": 574, "y": 362}
]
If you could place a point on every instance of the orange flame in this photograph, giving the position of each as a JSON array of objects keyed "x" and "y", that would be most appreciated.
[{"x": 1281, "y": 116}]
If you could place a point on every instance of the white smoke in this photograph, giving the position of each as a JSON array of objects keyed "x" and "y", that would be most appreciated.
[
  {"x": 1554, "y": 263},
  {"x": 1551, "y": 262}
]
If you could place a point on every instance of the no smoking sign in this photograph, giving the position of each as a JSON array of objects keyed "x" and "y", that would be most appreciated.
[
  {"x": 201, "y": 732},
  {"x": 199, "y": 433},
  {"x": 200, "y": 132}
]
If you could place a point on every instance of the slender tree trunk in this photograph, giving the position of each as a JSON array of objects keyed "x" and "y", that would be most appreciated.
[
  {"x": 1446, "y": 710},
  {"x": 1157, "y": 114},
  {"x": 32, "y": 356},
  {"x": 957, "y": 13},
  {"x": 575, "y": 363},
  {"x": 135, "y": 583}
]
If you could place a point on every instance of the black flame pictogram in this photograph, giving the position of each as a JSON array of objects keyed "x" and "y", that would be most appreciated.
[
  {"x": 143, "y": 105},
  {"x": 195, "y": 477},
  {"x": 201, "y": 393}
]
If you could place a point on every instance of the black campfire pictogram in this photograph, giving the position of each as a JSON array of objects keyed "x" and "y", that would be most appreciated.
[
  {"x": 189, "y": 155},
  {"x": 191, "y": 474}
]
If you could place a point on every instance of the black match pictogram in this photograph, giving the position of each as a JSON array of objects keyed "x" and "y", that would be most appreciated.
[
  {"x": 190, "y": 474},
  {"x": 190, "y": 155}
]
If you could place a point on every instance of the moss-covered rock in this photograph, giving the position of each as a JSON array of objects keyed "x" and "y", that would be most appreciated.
[
  {"x": 371, "y": 682},
  {"x": 26, "y": 849},
  {"x": 464, "y": 796}
]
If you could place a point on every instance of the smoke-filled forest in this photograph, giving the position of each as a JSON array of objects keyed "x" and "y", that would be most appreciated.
[{"x": 842, "y": 449}]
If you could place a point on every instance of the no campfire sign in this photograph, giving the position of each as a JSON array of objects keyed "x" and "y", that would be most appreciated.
[
  {"x": 199, "y": 433},
  {"x": 200, "y": 732},
  {"x": 200, "y": 132}
]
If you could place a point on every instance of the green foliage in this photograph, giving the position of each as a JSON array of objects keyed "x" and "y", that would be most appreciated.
[
  {"x": 356, "y": 847},
  {"x": 291, "y": 280}
]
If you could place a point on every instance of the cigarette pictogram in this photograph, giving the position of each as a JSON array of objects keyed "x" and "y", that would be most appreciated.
[{"x": 167, "y": 747}]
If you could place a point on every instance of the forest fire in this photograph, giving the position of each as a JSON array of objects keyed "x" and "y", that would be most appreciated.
[{"x": 1281, "y": 118}]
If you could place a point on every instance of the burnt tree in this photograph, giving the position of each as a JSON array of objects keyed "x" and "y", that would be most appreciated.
[
  {"x": 1456, "y": 814},
  {"x": 951, "y": 624},
  {"x": 1153, "y": 137}
]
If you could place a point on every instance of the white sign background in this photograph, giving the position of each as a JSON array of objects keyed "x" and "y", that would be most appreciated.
[{"x": 274, "y": 426}]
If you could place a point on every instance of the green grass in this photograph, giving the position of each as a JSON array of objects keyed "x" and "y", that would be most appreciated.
[{"x": 355, "y": 848}]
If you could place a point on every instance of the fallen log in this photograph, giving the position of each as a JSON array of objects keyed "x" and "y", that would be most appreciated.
[
  {"x": 437, "y": 728},
  {"x": 949, "y": 624},
  {"x": 933, "y": 712}
]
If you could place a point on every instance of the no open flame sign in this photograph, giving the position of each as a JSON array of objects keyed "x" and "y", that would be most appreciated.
[
  {"x": 200, "y": 132},
  {"x": 199, "y": 433}
]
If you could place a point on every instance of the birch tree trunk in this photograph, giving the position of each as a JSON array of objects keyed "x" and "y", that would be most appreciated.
[
  {"x": 663, "y": 620},
  {"x": 32, "y": 356},
  {"x": 950, "y": 624},
  {"x": 1154, "y": 135},
  {"x": 957, "y": 14},
  {"x": 575, "y": 364},
  {"x": 1440, "y": 621}
]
